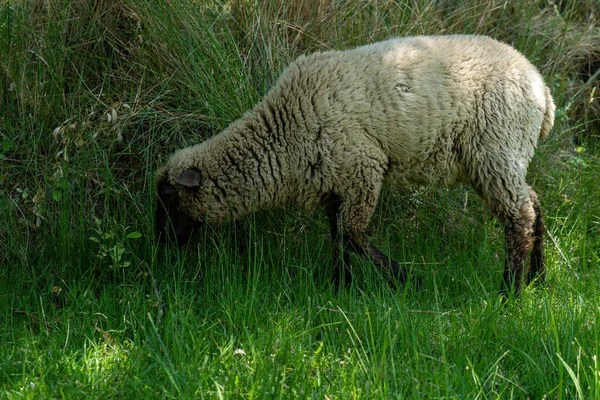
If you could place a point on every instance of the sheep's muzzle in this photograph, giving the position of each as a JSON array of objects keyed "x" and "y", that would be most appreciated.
[{"x": 170, "y": 222}]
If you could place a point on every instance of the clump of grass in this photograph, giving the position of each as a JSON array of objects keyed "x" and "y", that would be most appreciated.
[{"x": 94, "y": 95}]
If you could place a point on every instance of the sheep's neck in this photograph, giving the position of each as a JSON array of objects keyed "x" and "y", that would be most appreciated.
[{"x": 253, "y": 165}]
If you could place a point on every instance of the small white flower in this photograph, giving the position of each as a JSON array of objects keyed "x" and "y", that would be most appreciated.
[{"x": 239, "y": 351}]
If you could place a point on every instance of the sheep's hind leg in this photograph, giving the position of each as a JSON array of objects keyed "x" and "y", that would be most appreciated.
[
  {"x": 537, "y": 270},
  {"x": 499, "y": 178},
  {"x": 519, "y": 230}
]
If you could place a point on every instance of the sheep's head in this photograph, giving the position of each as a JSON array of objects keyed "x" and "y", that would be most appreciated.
[{"x": 172, "y": 219}]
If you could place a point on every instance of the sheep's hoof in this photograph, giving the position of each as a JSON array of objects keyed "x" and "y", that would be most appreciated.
[{"x": 403, "y": 276}]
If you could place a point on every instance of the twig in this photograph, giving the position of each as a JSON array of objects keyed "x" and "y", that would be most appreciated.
[
  {"x": 410, "y": 311},
  {"x": 334, "y": 310},
  {"x": 433, "y": 312},
  {"x": 422, "y": 262}
]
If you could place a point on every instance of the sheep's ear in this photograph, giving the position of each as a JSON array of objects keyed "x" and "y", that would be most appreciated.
[{"x": 189, "y": 178}]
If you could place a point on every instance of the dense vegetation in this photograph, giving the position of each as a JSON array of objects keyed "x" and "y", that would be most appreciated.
[{"x": 94, "y": 95}]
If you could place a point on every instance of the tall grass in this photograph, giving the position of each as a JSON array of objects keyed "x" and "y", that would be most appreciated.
[{"x": 95, "y": 95}]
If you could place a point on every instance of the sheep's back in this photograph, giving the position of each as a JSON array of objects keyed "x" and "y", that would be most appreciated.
[{"x": 428, "y": 102}]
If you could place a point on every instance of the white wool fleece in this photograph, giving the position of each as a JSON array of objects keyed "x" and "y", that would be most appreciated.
[{"x": 415, "y": 110}]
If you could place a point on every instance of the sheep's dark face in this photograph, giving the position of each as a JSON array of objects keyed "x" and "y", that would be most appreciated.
[{"x": 171, "y": 221}]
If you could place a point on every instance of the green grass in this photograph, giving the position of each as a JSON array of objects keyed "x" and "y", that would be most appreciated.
[{"x": 92, "y": 307}]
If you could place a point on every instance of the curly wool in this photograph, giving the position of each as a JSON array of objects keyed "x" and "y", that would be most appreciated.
[{"x": 339, "y": 124}]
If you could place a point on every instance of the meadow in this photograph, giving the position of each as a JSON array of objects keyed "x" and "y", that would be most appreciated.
[{"x": 95, "y": 95}]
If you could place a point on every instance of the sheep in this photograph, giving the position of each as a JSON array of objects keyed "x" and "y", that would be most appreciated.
[{"x": 337, "y": 125}]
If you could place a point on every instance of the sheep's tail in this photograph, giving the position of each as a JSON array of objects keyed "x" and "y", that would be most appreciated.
[{"x": 548, "y": 121}]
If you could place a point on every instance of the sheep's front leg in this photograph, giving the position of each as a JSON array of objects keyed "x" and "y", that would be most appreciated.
[
  {"x": 360, "y": 183},
  {"x": 360, "y": 244}
]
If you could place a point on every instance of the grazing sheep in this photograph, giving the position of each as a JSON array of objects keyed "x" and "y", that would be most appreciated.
[{"x": 338, "y": 125}]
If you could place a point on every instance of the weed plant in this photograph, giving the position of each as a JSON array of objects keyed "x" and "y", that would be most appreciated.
[{"x": 94, "y": 96}]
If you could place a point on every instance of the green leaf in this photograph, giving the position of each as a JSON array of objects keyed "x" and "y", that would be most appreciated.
[
  {"x": 133, "y": 235},
  {"x": 574, "y": 377},
  {"x": 56, "y": 195}
]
